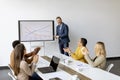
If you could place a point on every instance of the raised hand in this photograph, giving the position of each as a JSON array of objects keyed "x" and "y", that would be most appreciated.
[
  {"x": 35, "y": 58},
  {"x": 67, "y": 49}
]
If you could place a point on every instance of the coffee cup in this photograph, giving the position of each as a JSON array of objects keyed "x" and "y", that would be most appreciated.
[
  {"x": 75, "y": 77},
  {"x": 67, "y": 61}
]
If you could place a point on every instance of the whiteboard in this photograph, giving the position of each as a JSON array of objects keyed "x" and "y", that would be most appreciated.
[{"x": 36, "y": 30}]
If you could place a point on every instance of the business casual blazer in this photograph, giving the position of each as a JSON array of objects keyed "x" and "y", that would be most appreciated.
[
  {"x": 63, "y": 33},
  {"x": 99, "y": 62}
]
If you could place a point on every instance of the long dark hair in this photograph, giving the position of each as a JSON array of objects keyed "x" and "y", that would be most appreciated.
[
  {"x": 18, "y": 56},
  {"x": 84, "y": 41},
  {"x": 15, "y": 43}
]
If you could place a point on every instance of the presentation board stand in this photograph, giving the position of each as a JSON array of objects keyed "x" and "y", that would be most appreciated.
[
  {"x": 30, "y": 47},
  {"x": 44, "y": 47},
  {"x": 36, "y": 31},
  {"x": 40, "y": 45}
]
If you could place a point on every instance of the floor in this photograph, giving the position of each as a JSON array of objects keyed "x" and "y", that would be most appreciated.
[
  {"x": 115, "y": 70},
  {"x": 4, "y": 73}
]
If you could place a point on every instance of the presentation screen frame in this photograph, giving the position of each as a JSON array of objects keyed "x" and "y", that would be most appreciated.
[{"x": 31, "y": 30}]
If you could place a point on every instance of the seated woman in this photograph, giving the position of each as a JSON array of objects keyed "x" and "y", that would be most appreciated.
[
  {"x": 21, "y": 68},
  {"x": 78, "y": 55},
  {"x": 100, "y": 59},
  {"x": 28, "y": 56}
]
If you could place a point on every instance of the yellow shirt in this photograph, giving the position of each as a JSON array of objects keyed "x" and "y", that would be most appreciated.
[{"x": 77, "y": 55}]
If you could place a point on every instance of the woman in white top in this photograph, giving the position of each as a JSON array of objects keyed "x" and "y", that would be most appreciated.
[
  {"x": 100, "y": 59},
  {"x": 21, "y": 68}
]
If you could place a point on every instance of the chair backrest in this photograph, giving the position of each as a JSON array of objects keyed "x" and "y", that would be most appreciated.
[
  {"x": 12, "y": 72},
  {"x": 110, "y": 66},
  {"x": 12, "y": 76},
  {"x": 10, "y": 68}
]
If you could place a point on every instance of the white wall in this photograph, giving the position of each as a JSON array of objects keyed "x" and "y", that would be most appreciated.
[{"x": 96, "y": 20}]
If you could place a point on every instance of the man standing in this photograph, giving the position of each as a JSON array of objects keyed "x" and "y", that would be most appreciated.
[{"x": 62, "y": 35}]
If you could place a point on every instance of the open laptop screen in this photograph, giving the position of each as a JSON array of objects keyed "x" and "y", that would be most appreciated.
[{"x": 54, "y": 62}]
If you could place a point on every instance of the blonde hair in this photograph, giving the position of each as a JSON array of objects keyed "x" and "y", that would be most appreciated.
[{"x": 100, "y": 48}]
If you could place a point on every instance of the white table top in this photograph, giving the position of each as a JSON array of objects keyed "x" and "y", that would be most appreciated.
[
  {"x": 80, "y": 67},
  {"x": 88, "y": 71},
  {"x": 46, "y": 76}
]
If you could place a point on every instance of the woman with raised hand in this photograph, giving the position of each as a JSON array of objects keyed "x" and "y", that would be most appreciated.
[
  {"x": 100, "y": 53},
  {"x": 78, "y": 54},
  {"x": 21, "y": 68}
]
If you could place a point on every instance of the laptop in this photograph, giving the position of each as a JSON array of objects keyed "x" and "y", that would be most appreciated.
[{"x": 52, "y": 67}]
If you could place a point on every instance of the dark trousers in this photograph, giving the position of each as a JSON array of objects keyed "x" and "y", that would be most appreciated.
[
  {"x": 63, "y": 45},
  {"x": 35, "y": 76}
]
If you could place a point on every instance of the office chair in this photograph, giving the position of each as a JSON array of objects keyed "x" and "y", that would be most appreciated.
[
  {"x": 11, "y": 74},
  {"x": 10, "y": 68},
  {"x": 110, "y": 66}
]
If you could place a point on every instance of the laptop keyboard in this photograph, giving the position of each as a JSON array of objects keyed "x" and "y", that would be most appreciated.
[
  {"x": 49, "y": 69},
  {"x": 46, "y": 69}
]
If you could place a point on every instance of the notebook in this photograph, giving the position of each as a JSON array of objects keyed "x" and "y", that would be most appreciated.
[{"x": 52, "y": 67}]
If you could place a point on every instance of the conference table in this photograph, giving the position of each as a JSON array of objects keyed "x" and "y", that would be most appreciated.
[{"x": 69, "y": 67}]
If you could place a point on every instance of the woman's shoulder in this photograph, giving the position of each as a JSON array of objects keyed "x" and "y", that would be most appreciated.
[
  {"x": 84, "y": 49},
  {"x": 23, "y": 63}
]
